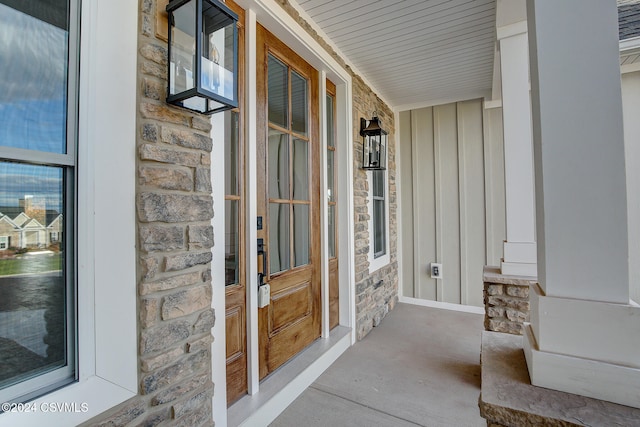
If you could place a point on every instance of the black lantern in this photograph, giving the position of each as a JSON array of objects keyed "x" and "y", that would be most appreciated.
[
  {"x": 203, "y": 55},
  {"x": 374, "y": 144}
]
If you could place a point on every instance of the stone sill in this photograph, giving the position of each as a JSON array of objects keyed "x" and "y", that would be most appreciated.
[{"x": 508, "y": 399}]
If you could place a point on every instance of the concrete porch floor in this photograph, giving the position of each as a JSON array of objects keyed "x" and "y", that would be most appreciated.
[{"x": 420, "y": 366}]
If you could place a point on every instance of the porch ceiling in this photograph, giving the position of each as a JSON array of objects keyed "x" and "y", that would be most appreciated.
[{"x": 413, "y": 52}]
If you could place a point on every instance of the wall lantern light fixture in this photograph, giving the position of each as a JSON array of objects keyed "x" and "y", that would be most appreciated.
[
  {"x": 203, "y": 56},
  {"x": 374, "y": 144}
]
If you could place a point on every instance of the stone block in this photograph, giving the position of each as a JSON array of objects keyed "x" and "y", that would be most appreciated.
[
  {"x": 126, "y": 414},
  {"x": 149, "y": 132},
  {"x": 510, "y": 302},
  {"x": 153, "y": 69},
  {"x": 152, "y": 363},
  {"x": 161, "y": 238},
  {"x": 202, "y": 123},
  {"x": 199, "y": 344},
  {"x": 515, "y": 315},
  {"x": 149, "y": 309},
  {"x": 200, "y": 236},
  {"x": 494, "y": 289},
  {"x": 149, "y": 266},
  {"x": 200, "y": 417},
  {"x": 192, "y": 404},
  {"x": 163, "y": 336},
  {"x": 506, "y": 326},
  {"x": 203, "y": 180},
  {"x": 205, "y": 160},
  {"x": 153, "y": 89},
  {"x": 179, "y": 371},
  {"x": 186, "y": 302},
  {"x": 157, "y": 417},
  {"x": 181, "y": 389},
  {"x": 168, "y": 154},
  {"x": 495, "y": 311},
  {"x": 147, "y": 26},
  {"x": 170, "y": 283},
  {"x": 205, "y": 322},
  {"x": 518, "y": 291},
  {"x": 186, "y": 138},
  {"x": 184, "y": 261},
  {"x": 166, "y": 178},
  {"x": 155, "y": 53},
  {"x": 163, "y": 113},
  {"x": 174, "y": 207}
]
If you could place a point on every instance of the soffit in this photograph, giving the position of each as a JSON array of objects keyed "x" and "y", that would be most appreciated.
[{"x": 413, "y": 52}]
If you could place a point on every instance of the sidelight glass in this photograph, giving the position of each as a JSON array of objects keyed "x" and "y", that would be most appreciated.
[
  {"x": 232, "y": 242},
  {"x": 330, "y": 176},
  {"x": 300, "y": 235},
  {"x": 279, "y": 250},
  {"x": 278, "y": 92},
  {"x": 231, "y": 148},
  {"x": 332, "y": 231}
]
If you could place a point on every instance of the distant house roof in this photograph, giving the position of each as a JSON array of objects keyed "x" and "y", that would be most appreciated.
[{"x": 628, "y": 19}]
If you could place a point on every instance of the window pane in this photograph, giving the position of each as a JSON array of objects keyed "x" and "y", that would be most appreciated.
[
  {"x": 330, "y": 127},
  {"x": 33, "y": 88},
  {"x": 232, "y": 244},
  {"x": 330, "y": 175},
  {"x": 298, "y": 103},
  {"x": 231, "y": 153},
  {"x": 301, "y": 235},
  {"x": 182, "y": 67},
  {"x": 33, "y": 294},
  {"x": 332, "y": 231},
  {"x": 278, "y": 237},
  {"x": 278, "y": 165},
  {"x": 300, "y": 169},
  {"x": 378, "y": 183},
  {"x": 278, "y": 92},
  {"x": 379, "y": 246}
]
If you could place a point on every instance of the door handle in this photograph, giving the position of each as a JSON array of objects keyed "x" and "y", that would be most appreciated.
[{"x": 262, "y": 251}]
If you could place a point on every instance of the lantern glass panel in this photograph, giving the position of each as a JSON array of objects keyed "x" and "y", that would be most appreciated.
[
  {"x": 183, "y": 45},
  {"x": 218, "y": 62}
]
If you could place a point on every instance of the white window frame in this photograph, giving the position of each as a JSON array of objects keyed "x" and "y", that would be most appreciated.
[
  {"x": 381, "y": 261},
  {"x": 107, "y": 344},
  {"x": 4, "y": 240}
]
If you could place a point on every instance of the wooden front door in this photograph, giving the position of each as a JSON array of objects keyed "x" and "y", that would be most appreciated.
[{"x": 288, "y": 201}]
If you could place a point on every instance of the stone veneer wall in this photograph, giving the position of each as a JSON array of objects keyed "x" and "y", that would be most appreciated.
[
  {"x": 376, "y": 292},
  {"x": 175, "y": 237},
  {"x": 506, "y": 300}
]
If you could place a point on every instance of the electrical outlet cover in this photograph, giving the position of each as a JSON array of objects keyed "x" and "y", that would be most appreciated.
[{"x": 436, "y": 270}]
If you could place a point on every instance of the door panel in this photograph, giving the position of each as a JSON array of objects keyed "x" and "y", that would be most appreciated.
[{"x": 288, "y": 197}]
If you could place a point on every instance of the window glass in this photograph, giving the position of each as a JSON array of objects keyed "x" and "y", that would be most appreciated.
[
  {"x": 232, "y": 242},
  {"x": 300, "y": 235},
  {"x": 379, "y": 213},
  {"x": 298, "y": 103},
  {"x": 279, "y": 256},
  {"x": 300, "y": 169},
  {"x": 278, "y": 165},
  {"x": 37, "y": 337},
  {"x": 278, "y": 92}
]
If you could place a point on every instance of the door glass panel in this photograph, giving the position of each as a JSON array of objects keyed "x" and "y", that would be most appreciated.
[
  {"x": 278, "y": 165},
  {"x": 332, "y": 231},
  {"x": 379, "y": 215},
  {"x": 330, "y": 137},
  {"x": 298, "y": 103},
  {"x": 300, "y": 235},
  {"x": 330, "y": 173},
  {"x": 232, "y": 243},
  {"x": 300, "y": 169},
  {"x": 33, "y": 296},
  {"x": 231, "y": 153},
  {"x": 278, "y": 89},
  {"x": 33, "y": 91},
  {"x": 278, "y": 237}
]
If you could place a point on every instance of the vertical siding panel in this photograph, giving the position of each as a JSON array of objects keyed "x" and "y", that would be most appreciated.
[
  {"x": 406, "y": 194},
  {"x": 448, "y": 208},
  {"x": 494, "y": 185},
  {"x": 472, "y": 201},
  {"x": 424, "y": 202}
]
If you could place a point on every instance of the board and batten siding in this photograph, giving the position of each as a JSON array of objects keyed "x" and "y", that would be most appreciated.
[{"x": 453, "y": 199}]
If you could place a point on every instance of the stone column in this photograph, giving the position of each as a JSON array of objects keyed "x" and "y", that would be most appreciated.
[
  {"x": 584, "y": 336},
  {"x": 520, "y": 246}
]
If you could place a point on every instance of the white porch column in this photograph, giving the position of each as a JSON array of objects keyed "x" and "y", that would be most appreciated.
[
  {"x": 520, "y": 246},
  {"x": 584, "y": 335}
]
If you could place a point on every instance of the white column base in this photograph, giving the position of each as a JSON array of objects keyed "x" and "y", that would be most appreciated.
[
  {"x": 518, "y": 269},
  {"x": 584, "y": 347},
  {"x": 591, "y": 378}
]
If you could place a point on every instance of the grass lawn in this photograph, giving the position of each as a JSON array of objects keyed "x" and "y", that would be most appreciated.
[{"x": 31, "y": 264}]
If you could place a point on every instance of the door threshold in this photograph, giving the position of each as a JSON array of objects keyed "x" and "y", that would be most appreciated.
[{"x": 283, "y": 386}]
